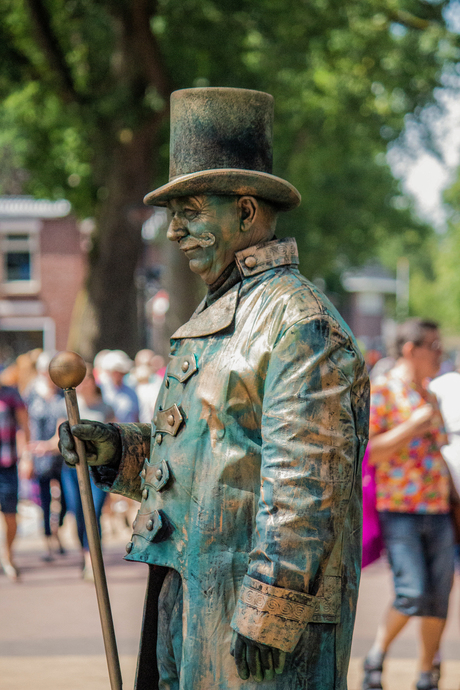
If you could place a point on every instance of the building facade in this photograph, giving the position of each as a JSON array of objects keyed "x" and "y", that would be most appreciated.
[
  {"x": 369, "y": 289},
  {"x": 42, "y": 269}
]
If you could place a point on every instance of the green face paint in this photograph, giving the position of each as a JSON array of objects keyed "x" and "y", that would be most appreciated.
[{"x": 207, "y": 229}]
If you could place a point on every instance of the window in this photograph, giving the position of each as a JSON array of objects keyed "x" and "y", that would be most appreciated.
[
  {"x": 19, "y": 251},
  {"x": 18, "y": 260}
]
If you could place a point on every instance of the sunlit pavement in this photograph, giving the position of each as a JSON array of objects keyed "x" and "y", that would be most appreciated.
[{"x": 50, "y": 634}]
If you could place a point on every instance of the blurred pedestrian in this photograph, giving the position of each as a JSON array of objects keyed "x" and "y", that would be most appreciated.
[
  {"x": 148, "y": 385},
  {"x": 46, "y": 407},
  {"x": 406, "y": 431},
  {"x": 121, "y": 397},
  {"x": 144, "y": 357},
  {"x": 13, "y": 420},
  {"x": 27, "y": 369},
  {"x": 447, "y": 391},
  {"x": 91, "y": 406},
  {"x": 99, "y": 374}
]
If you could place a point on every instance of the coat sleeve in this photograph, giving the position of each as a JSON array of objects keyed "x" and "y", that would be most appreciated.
[
  {"x": 314, "y": 421},
  {"x": 135, "y": 448}
]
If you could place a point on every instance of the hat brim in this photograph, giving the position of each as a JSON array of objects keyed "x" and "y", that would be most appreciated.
[{"x": 228, "y": 181}]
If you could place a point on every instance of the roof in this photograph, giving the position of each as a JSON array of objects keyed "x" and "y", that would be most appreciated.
[
  {"x": 28, "y": 207},
  {"x": 369, "y": 278}
]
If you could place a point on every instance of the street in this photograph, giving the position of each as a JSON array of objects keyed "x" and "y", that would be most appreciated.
[{"x": 50, "y": 635}]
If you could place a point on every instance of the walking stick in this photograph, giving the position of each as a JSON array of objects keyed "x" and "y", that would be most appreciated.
[{"x": 67, "y": 370}]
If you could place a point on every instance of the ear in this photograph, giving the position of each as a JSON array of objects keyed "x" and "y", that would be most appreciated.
[
  {"x": 408, "y": 350},
  {"x": 247, "y": 206}
]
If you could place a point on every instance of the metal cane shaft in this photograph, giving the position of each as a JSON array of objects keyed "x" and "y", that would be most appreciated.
[{"x": 94, "y": 543}]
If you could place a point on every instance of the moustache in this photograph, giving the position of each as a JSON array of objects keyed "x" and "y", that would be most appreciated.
[{"x": 207, "y": 239}]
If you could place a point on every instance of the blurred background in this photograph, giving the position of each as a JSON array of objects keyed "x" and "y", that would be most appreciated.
[{"x": 367, "y": 127}]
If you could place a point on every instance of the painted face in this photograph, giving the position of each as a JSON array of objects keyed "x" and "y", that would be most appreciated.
[{"x": 207, "y": 230}]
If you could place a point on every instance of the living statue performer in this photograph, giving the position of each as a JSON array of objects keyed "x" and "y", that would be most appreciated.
[{"x": 249, "y": 475}]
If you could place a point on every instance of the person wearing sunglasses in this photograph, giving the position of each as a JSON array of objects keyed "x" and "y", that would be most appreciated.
[{"x": 407, "y": 433}]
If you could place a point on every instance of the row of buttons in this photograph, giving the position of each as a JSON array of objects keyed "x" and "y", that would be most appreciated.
[{"x": 171, "y": 421}]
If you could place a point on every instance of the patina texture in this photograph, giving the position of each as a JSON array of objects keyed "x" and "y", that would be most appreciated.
[
  {"x": 221, "y": 143},
  {"x": 249, "y": 478}
]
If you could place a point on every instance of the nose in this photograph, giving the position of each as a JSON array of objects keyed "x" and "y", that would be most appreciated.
[{"x": 177, "y": 229}]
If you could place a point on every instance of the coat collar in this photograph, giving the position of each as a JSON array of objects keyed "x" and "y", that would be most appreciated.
[
  {"x": 250, "y": 261},
  {"x": 262, "y": 257}
]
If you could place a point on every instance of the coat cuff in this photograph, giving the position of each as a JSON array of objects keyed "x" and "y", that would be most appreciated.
[
  {"x": 272, "y": 615},
  {"x": 135, "y": 448}
]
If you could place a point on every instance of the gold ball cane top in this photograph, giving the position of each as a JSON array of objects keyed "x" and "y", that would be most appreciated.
[{"x": 67, "y": 369}]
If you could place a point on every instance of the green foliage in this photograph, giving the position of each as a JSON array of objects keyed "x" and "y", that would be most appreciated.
[{"x": 344, "y": 75}]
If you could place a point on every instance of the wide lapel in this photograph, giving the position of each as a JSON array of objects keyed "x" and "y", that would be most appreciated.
[{"x": 215, "y": 318}]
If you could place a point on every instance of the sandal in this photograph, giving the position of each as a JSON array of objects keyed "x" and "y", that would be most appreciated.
[
  {"x": 372, "y": 675},
  {"x": 428, "y": 683}
]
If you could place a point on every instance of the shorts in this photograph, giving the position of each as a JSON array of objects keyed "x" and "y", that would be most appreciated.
[
  {"x": 420, "y": 550},
  {"x": 9, "y": 489}
]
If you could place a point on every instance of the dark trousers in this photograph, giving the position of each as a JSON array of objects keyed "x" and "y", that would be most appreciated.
[{"x": 44, "y": 483}]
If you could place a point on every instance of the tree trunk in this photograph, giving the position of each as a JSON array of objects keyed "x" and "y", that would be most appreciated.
[{"x": 106, "y": 316}]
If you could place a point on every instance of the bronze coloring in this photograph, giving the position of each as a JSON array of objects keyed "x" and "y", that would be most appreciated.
[{"x": 249, "y": 478}]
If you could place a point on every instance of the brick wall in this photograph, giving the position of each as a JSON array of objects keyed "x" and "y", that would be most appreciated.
[{"x": 62, "y": 271}]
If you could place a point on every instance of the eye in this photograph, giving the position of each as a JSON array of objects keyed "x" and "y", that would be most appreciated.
[{"x": 190, "y": 213}]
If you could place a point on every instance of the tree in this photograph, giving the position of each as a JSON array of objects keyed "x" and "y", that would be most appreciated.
[{"x": 85, "y": 90}]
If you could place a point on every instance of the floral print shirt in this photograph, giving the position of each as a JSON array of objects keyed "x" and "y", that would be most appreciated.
[{"x": 414, "y": 479}]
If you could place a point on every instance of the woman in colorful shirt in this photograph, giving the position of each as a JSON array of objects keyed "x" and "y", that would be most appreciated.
[{"x": 412, "y": 480}]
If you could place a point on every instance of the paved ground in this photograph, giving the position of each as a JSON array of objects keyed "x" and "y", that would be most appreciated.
[{"x": 49, "y": 627}]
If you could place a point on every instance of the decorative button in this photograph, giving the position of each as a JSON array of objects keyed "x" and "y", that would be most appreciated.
[
  {"x": 167, "y": 383},
  {"x": 159, "y": 473},
  {"x": 168, "y": 421},
  {"x": 145, "y": 494},
  {"x": 149, "y": 525},
  {"x": 143, "y": 473},
  {"x": 129, "y": 547},
  {"x": 185, "y": 366},
  {"x": 250, "y": 261}
]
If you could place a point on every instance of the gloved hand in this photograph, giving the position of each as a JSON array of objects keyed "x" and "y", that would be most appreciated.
[
  {"x": 102, "y": 443},
  {"x": 258, "y": 660}
]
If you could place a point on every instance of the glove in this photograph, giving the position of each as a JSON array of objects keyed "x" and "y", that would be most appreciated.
[
  {"x": 258, "y": 660},
  {"x": 102, "y": 443}
]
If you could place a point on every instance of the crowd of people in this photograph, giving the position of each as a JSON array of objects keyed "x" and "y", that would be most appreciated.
[
  {"x": 413, "y": 459},
  {"x": 115, "y": 389}
]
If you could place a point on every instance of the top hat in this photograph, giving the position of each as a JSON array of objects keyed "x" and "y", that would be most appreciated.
[{"x": 221, "y": 143}]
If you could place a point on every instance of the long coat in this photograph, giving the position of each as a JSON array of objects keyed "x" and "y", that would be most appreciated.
[{"x": 249, "y": 477}]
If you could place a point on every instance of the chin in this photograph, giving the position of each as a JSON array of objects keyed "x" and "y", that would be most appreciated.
[
  {"x": 203, "y": 268},
  {"x": 196, "y": 265}
]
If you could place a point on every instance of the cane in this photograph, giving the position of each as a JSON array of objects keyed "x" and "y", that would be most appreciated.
[{"x": 67, "y": 370}]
